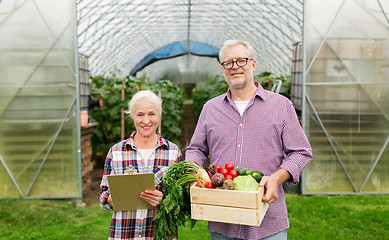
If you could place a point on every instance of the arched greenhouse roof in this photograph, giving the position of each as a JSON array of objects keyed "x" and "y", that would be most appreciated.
[{"x": 122, "y": 34}]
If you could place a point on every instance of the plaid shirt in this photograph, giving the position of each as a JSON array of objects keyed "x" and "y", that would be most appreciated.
[{"x": 136, "y": 224}]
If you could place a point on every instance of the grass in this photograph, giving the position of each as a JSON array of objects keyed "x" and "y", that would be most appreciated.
[
  {"x": 51, "y": 219},
  {"x": 338, "y": 217},
  {"x": 311, "y": 217}
]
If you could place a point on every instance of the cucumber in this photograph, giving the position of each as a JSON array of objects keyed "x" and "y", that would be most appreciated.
[
  {"x": 251, "y": 171},
  {"x": 257, "y": 176},
  {"x": 242, "y": 171}
]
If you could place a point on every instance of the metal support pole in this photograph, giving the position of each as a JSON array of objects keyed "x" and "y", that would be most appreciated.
[{"x": 122, "y": 116}]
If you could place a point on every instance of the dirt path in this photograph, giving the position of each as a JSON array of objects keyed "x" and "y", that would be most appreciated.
[{"x": 90, "y": 195}]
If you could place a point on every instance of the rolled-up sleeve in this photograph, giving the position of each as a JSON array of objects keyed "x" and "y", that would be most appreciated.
[{"x": 298, "y": 151}]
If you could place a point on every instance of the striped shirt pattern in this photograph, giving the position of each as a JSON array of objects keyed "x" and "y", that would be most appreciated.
[
  {"x": 136, "y": 224},
  {"x": 266, "y": 137}
]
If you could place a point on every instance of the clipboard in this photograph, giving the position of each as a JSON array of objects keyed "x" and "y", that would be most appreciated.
[{"x": 125, "y": 190}]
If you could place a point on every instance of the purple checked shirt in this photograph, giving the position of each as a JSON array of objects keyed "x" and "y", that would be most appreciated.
[{"x": 268, "y": 129}]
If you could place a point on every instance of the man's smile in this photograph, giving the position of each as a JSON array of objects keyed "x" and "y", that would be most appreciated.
[{"x": 236, "y": 74}]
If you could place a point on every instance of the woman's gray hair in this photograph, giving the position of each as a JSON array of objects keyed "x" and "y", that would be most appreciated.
[
  {"x": 231, "y": 43},
  {"x": 144, "y": 95}
]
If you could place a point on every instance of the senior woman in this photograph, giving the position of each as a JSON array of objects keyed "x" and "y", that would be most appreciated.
[{"x": 145, "y": 151}]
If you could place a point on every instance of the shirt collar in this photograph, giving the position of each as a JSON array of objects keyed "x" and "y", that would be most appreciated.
[
  {"x": 161, "y": 141},
  {"x": 260, "y": 92}
]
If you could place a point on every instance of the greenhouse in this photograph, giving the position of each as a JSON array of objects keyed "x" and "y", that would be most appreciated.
[{"x": 335, "y": 51}]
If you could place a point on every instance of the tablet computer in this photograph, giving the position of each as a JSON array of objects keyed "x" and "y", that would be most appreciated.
[{"x": 125, "y": 190}]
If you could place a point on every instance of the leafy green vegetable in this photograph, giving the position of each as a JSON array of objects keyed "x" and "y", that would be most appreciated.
[
  {"x": 175, "y": 205},
  {"x": 245, "y": 183}
]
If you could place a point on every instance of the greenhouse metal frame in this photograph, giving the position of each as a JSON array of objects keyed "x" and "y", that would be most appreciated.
[
  {"x": 345, "y": 99},
  {"x": 341, "y": 84},
  {"x": 39, "y": 106}
]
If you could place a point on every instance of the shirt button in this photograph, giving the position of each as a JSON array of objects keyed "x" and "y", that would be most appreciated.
[
  {"x": 240, "y": 124},
  {"x": 238, "y": 145}
]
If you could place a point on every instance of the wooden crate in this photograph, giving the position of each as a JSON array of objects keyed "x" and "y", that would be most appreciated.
[{"x": 228, "y": 206}]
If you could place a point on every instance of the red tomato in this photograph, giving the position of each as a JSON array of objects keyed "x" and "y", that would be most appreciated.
[
  {"x": 229, "y": 166},
  {"x": 228, "y": 176},
  {"x": 209, "y": 185},
  {"x": 223, "y": 171},
  {"x": 233, "y": 173},
  {"x": 217, "y": 167}
]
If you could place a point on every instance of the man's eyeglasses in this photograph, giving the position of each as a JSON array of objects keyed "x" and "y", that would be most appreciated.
[{"x": 240, "y": 62}]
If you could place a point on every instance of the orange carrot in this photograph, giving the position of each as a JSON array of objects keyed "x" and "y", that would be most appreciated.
[{"x": 199, "y": 183}]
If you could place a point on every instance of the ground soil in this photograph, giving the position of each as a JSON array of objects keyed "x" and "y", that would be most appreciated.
[{"x": 90, "y": 194}]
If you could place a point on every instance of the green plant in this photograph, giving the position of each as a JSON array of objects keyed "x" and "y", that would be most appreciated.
[
  {"x": 108, "y": 130},
  {"x": 212, "y": 87},
  {"x": 173, "y": 99},
  {"x": 268, "y": 80}
]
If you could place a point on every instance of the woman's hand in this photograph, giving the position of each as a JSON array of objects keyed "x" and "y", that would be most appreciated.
[
  {"x": 109, "y": 200},
  {"x": 154, "y": 197}
]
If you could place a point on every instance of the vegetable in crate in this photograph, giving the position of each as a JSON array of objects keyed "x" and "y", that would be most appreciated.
[
  {"x": 229, "y": 166},
  {"x": 210, "y": 169},
  {"x": 217, "y": 167},
  {"x": 228, "y": 184},
  {"x": 228, "y": 176},
  {"x": 198, "y": 181},
  {"x": 242, "y": 171},
  {"x": 223, "y": 171},
  {"x": 203, "y": 174},
  {"x": 209, "y": 185},
  {"x": 245, "y": 183},
  {"x": 251, "y": 171},
  {"x": 218, "y": 179},
  {"x": 257, "y": 175},
  {"x": 233, "y": 173}
]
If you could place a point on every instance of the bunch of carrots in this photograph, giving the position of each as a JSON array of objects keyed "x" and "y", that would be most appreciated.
[{"x": 175, "y": 204}]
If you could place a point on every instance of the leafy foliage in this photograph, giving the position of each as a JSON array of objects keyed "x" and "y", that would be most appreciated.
[
  {"x": 268, "y": 80},
  {"x": 173, "y": 108},
  {"x": 108, "y": 131},
  {"x": 212, "y": 87}
]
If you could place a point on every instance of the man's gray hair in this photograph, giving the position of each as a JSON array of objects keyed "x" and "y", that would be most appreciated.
[{"x": 231, "y": 43}]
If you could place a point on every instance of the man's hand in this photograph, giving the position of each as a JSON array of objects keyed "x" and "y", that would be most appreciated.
[
  {"x": 271, "y": 184},
  {"x": 154, "y": 197}
]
